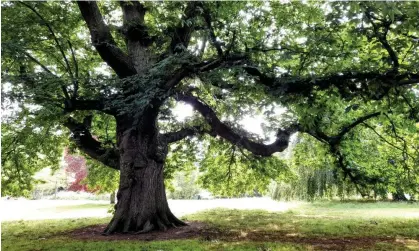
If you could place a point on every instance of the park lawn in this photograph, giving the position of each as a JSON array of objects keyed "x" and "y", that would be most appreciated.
[
  {"x": 316, "y": 226},
  {"x": 82, "y": 207}
]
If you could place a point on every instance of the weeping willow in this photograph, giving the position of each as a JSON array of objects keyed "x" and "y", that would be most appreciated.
[
  {"x": 315, "y": 175},
  {"x": 312, "y": 184}
]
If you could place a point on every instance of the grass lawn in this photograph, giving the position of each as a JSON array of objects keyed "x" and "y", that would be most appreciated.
[
  {"x": 316, "y": 226},
  {"x": 82, "y": 207}
]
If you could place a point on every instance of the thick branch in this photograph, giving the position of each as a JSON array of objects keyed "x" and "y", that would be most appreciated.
[
  {"x": 182, "y": 33},
  {"x": 348, "y": 128},
  {"x": 76, "y": 69},
  {"x": 227, "y": 61},
  {"x": 337, "y": 139},
  {"x": 183, "y": 133},
  {"x": 347, "y": 171},
  {"x": 213, "y": 37},
  {"x": 90, "y": 146},
  {"x": 222, "y": 130},
  {"x": 103, "y": 41},
  {"x": 188, "y": 70},
  {"x": 334, "y": 143},
  {"x": 86, "y": 105},
  {"x": 347, "y": 83},
  {"x": 136, "y": 34}
]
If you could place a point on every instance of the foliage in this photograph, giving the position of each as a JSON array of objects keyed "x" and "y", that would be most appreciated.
[
  {"x": 185, "y": 186},
  {"x": 27, "y": 147},
  {"x": 229, "y": 171},
  {"x": 317, "y": 174},
  {"x": 99, "y": 179},
  {"x": 76, "y": 168}
]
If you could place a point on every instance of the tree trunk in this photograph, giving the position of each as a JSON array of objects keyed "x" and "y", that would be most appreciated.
[
  {"x": 142, "y": 204},
  {"x": 112, "y": 197},
  {"x": 399, "y": 195}
]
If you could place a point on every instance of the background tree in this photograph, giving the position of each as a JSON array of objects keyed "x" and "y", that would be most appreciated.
[
  {"x": 226, "y": 60},
  {"x": 77, "y": 170}
]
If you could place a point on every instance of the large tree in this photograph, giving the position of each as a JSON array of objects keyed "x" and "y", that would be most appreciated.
[{"x": 224, "y": 59}]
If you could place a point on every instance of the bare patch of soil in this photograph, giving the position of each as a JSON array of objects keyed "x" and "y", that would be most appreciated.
[
  {"x": 193, "y": 230},
  {"x": 201, "y": 231}
]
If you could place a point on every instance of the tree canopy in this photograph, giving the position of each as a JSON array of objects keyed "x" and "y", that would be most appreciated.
[{"x": 345, "y": 72}]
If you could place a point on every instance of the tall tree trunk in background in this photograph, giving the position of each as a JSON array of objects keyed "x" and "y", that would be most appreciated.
[
  {"x": 142, "y": 204},
  {"x": 399, "y": 195},
  {"x": 112, "y": 197}
]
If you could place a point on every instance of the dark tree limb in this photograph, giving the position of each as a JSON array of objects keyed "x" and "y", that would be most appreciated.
[
  {"x": 103, "y": 41},
  {"x": 347, "y": 172},
  {"x": 183, "y": 133},
  {"x": 382, "y": 37},
  {"x": 182, "y": 33},
  {"x": 36, "y": 61},
  {"x": 213, "y": 37},
  {"x": 76, "y": 72},
  {"x": 221, "y": 129},
  {"x": 334, "y": 144},
  {"x": 87, "y": 105},
  {"x": 85, "y": 142},
  {"x": 225, "y": 62},
  {"x": 344, "y": 82},
  {"x": 133, "y": 14},
  {"x": 281, "y": 48},
  {"x": 385, "y": 140},
  {"x": 189, "y": 70},
  {"x": 137, "y": 37},
  {"x": 337, "y": 139}
]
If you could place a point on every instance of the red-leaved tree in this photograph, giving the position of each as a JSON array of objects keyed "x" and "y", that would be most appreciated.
[{"x": 76, "y": 167}]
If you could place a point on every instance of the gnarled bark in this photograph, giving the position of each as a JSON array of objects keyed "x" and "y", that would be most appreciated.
[{"x": 142, "y": 205}]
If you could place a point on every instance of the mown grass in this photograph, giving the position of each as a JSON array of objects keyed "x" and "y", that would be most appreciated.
[
  {"x": 82, "y": 207},
  {"x": 317, "y": 221}
]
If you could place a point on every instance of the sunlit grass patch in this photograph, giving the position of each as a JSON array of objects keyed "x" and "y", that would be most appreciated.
[{"x": 317, "y": 220}]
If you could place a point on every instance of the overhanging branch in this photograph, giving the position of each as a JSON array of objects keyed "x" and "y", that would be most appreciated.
[
  {"x": 348, "y": 83},
  {"x": 183, "y": 133},
  {"x": 337, "y": 139},
  {"x": 90, "y": 146},
  {"x": 334, "y": 144},
  {"x": 86, "y": 105},
  {"x": 221, "y": 129}
]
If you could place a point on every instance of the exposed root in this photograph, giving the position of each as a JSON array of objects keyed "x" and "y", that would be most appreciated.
[
  {"x": 176, "y": 221},
  {"x": 147, "y": 228},
  {"x": 160, "y": 224}
]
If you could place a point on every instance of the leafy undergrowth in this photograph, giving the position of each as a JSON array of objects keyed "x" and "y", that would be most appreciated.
[{"x": 318, "y": 226}]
